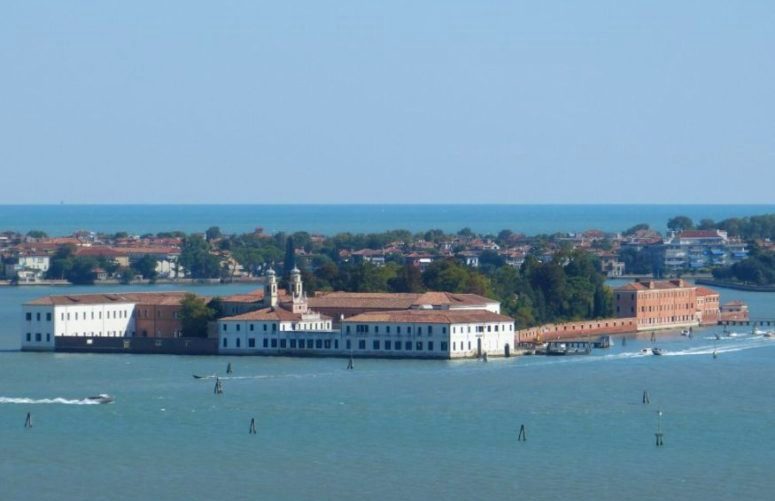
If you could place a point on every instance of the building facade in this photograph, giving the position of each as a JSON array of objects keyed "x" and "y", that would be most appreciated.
[{"x": 665, "y": 304}]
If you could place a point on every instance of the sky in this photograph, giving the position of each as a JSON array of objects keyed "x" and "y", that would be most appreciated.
[{"x": 436, "y": 101}]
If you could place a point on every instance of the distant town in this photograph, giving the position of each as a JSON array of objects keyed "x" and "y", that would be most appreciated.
[{"x": 392, "y": 294}]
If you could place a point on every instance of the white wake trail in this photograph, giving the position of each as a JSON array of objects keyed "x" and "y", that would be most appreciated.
[{"x": 57, "y": 400}]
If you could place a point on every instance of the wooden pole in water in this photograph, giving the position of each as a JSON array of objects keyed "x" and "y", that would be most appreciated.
[
  {"x": 252, "y": 426},
  {"x": 522, "y": 437},
  {"x": 646, "y": 397},
  {"x": 28, "y": 421},
  {"x": 658, "y": 434}
]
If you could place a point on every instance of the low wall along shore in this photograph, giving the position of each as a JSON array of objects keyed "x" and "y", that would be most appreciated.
[{"x": 572, "y": 330}]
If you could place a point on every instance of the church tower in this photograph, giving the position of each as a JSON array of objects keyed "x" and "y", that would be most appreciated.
[
  {"x": 298, "y": 298},
  {"x": 270, "y": 289}
]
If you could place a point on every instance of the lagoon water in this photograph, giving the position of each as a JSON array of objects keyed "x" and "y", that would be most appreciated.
[
  {"x": 330, "y": 219},
  {"x": 391, "y": 429}
]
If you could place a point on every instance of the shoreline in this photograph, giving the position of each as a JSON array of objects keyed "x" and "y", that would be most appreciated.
[{"x": 735, "y": 286}]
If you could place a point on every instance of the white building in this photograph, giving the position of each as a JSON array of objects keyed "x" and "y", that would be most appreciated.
[
  {"x": 279, "y": 327},
  {"x": 88, "y": 315},
  {"x": 437, "y": 327}
]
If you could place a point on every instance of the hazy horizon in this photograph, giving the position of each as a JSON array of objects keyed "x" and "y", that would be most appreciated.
[{"x": 402, "y": 103}]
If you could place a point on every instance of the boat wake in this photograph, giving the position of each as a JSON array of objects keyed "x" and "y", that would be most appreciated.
[
  {"x": 722, "y": 348},
  {"x": 57, "y": 400}
]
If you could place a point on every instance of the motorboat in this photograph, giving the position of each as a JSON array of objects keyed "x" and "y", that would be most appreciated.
[
  {"x": 208, "y": 376},
  {"x": 657, "y": 351},
  {"x": 646, "y": 351},
  {"x": 102, "y": 398},
  {"x": 685, "y": 332}
]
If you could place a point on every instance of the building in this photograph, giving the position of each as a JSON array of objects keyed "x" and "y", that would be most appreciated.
[
  {"x": 283, "y": 325},
  {"x": 145, "y": 314},
  {"x": 429, "y": 334},
  {"x": 422, "y": 325},
  {"x": 734, "y": 311},
  {"x": 701, "y": 249},
  {"x": 664, "y": 304}
]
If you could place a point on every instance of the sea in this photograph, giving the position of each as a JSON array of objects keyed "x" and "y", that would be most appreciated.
[
  {"x": 331, "y": 219},
  {"x": 388, "y": 429},
  {"x": 391, "y": 429}
]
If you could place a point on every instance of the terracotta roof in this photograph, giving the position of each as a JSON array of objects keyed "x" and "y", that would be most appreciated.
[
  {"x": 704, "y": 291},
  {"x": 158, "y": 298},
  {"x": 655, "y": 285},
  {"x": 276, "y": 314},
  {"x": 430, "y": 317},
  {"x": 394, "y": 301}
]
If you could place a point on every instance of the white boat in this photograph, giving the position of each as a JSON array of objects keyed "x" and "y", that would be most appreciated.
[
  {"x": 646, "y": 351},
  {"x": 657, "y": 351},
  {"x": 102, "y": 398}
]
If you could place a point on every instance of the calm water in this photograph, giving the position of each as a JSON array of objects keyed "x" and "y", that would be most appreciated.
[
  {"x": 392, "y": 429},
  {"x": 329, "y": 219}
]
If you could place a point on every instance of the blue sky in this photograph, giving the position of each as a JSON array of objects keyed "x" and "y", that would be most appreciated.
[{"x": 387, "y": 102}]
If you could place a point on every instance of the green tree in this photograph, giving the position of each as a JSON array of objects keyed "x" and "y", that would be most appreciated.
[
  {"x": 408, "y": 279},
  {"x": 680, "y": 223},
  {"x": 146, "y": 266},
  {"x": 37, "y": 234},
  {"x": 290, "y": 256},
  {"x": 196, "y": 258},
  {"x": 82, "y": 271},
  {"x": 212, "y": 233},
  {"x": 194, "y": 316}
]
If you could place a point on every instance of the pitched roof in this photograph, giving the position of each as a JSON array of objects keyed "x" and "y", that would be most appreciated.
[
  {"x": 278, "y": 314},
  {"x": 704, "y": 291},
  {"x": 395, "y": 301},
  {"x": 700, "y": 234},
  {"x": 654, "y": 285},
  {"x": 142, "y": 298},
  {"x": 430, "y": 317}
]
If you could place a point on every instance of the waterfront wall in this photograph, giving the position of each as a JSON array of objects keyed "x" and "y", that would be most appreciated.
[
  {"x": 575, "y": 330},
  {"x": 137, "y": 345}
]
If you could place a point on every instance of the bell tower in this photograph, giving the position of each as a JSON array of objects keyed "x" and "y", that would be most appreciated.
[
  {"x": 298, "y": 298},
  {"x": 270, "y": 289}
]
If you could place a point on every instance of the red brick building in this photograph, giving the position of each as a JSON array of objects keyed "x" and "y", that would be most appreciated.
[{"x": 665, "y": 304}]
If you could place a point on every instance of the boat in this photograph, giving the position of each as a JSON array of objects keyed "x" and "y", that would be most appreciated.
[
  {"x": 646, "y": 351},
  {"x": 556, "y": 348},
  {"x": 102, "y": 398},
  {"x": 209, "y": 376},
  {"x": 657, "y": 351},
  {"x": 684, "y": 332},
  {"x": 769, "y": 334}
]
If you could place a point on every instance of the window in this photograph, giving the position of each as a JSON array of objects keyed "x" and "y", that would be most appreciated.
[
  {"x": 37, "y": 316},
  {"x": 387, "y": 329},
  {"x": 397, "y": 346},
  {"x": 238, "y": 326},
  {"x": 48, "y": 337},
  {"x": 29, "y": 316},
  {"x": 264, "y": 327},
  {"x": 336, "y": 344},
  {"x": 347, "y": 345},
  {"x": 398, "y": 329},
  {"x": 348, "y": 329},
  {"x": 469, "y": 345},
  {"x": 430, "y": 329},
  {"x": 29, "y": 336},
  {"x": 282, "y": 343},
  {"x": 444, "y": 346},
  {"x": 430, "y": 345},
  {"x": 409, "y": 329},
  {"x": 274, "y": 327},
  {"x": 293, "y": 343},
  {"x": 318, "y": 343},
  {"x": 362, "y": 344},
  {"x": 443, "y": 330},
  {"x": 388, "y": 345},
  {"x": 238, "y": 340},
  {"x": 408, "y": 346},
  {"x": 266, "y": 343},
  {"x": 252, "y": 326},
  {"x": 225, "y": 328},
  {"x": 376, "y": 329},
  {"x": 419, "y": 345},
  {"x": 251, "y": 342},
  {"x": 225, "y": 343},
  {"x": 309, "y": 343},
  {"x": 274, "y": 343},
  {"x": 375, "y": 345},
  {"x": 327, "y": 344}
]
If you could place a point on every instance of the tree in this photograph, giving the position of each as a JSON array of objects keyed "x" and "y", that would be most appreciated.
[
  {"x": 407, "y": 279},
  {"x": 706, "y": 224},
  {"x": 196, "y": 258},
  {"x": 466, "y": 233},
  {"x": 194, "y": 316},
  {"x": 82, "y": 271},
  {"x": 212, "y": 233},
  {"x": 37, "y": 234},
  {"x": 680, "y": 223},
  {"x": 634, "y": 229},
  {"x": 290, "y": 256},
  {"x": 146, "y": 266}
]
